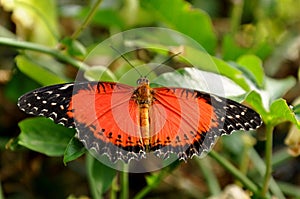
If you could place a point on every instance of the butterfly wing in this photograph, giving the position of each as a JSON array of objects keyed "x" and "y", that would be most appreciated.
[
  {"x": 50, "y": 101},
  {"x": 187, "y": 122},
  {"x": 103, "y": 113}
]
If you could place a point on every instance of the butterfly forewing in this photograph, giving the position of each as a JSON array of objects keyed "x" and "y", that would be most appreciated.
[{"x": 51, "y": 101}]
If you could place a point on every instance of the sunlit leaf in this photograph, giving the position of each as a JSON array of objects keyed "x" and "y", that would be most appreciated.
[
  {"x": 179, "y": 15},
  {"x": 253, "y": 67},
  {"x": 37, "y": 72},
  {"x": 193, "y": 78}
]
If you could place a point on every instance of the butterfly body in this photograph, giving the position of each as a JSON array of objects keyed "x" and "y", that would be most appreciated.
[
  {"x": 126, "y": 122},
  {"x": 143, "y": 97}
]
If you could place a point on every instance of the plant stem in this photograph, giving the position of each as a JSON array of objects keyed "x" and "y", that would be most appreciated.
[
  {"x": 210, "y": 177},
  {"x": 260, "y": 166},
  {"x": 268, "y": 159},
  {"x": 156, "y": 180},
  {"x": 124, "y": 182},
  {"x": 236, "y": 15},
  {"x": 154, "y": 183},
  {"x": 43, "y": 49},
  {"x": 87, "y": 20},
  {"x": 114, "y": 188},
  {"x": 1, "y": 193},
  {"x": 237, "y": 174}
]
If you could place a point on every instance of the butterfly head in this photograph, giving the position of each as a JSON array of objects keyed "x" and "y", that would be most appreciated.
[{"x": 142, "y": 81}]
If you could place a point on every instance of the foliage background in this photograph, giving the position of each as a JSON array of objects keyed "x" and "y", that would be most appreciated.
[{"x": 250, "y": 41}]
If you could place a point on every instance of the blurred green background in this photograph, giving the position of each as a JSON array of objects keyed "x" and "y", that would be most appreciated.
[{"x": 255, "y": 43}]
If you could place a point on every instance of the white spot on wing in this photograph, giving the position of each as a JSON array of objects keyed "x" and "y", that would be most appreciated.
[{"x": 65, "y": 87}]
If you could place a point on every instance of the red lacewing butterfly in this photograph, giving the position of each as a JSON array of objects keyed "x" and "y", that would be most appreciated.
[{"x": 126, "y": 122}]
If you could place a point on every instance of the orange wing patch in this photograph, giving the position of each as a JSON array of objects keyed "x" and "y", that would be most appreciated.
[
  {"x": 187, "y": 119},
  {"x": 107, "y": 119}
]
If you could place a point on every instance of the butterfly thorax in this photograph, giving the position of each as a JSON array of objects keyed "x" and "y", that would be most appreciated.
[{"x": 143, "y": 96}]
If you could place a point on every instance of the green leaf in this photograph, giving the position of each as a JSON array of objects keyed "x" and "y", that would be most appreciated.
[
  {"x": 276, "y": 113},
  {"x": 178, "y": 15},
  {"x": 99, "y": 73},
  {"x": 37, "y": 72},
  {"x": 253, "y": 67},
  {"x": 281, "y": 112},
  {"x": 231, "y": 72},
  {"x": 193, "y": 78},
  {"x": 259, "y": 102},
  {"x": 202, "y": 60},
  {"x": 100, "y": 176},
  {"x": 44, "y": 136},
  {"x": 74, "y": 150}
]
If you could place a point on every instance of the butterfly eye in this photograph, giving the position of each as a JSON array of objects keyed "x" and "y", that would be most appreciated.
[{"x": 142, "y": 80}]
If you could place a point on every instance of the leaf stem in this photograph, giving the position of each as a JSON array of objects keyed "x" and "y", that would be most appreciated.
[
  {"x": 235, "y": 172},
  {"x": 268, "y": 159},
  {"x": 43, "y": 49},
  {"x": 87, "y": 20}
]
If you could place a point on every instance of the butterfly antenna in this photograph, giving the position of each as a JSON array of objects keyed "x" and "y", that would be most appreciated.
[
  {"x": 126, "y": 60},
  {"x": 164, "y": 62}
]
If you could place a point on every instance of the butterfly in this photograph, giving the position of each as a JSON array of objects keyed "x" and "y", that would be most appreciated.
[{"x": 126, "y": 122}]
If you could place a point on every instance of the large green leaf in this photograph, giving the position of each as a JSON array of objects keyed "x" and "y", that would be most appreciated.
[
  {"x": 178, "y": 15},
  {"x": 37, "y": 72},
  {"x": 44, "y": 136},
  {"x": 193, "y": 78}
]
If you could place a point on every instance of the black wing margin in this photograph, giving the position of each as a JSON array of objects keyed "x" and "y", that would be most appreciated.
[{"x": 51, "y": 102}]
